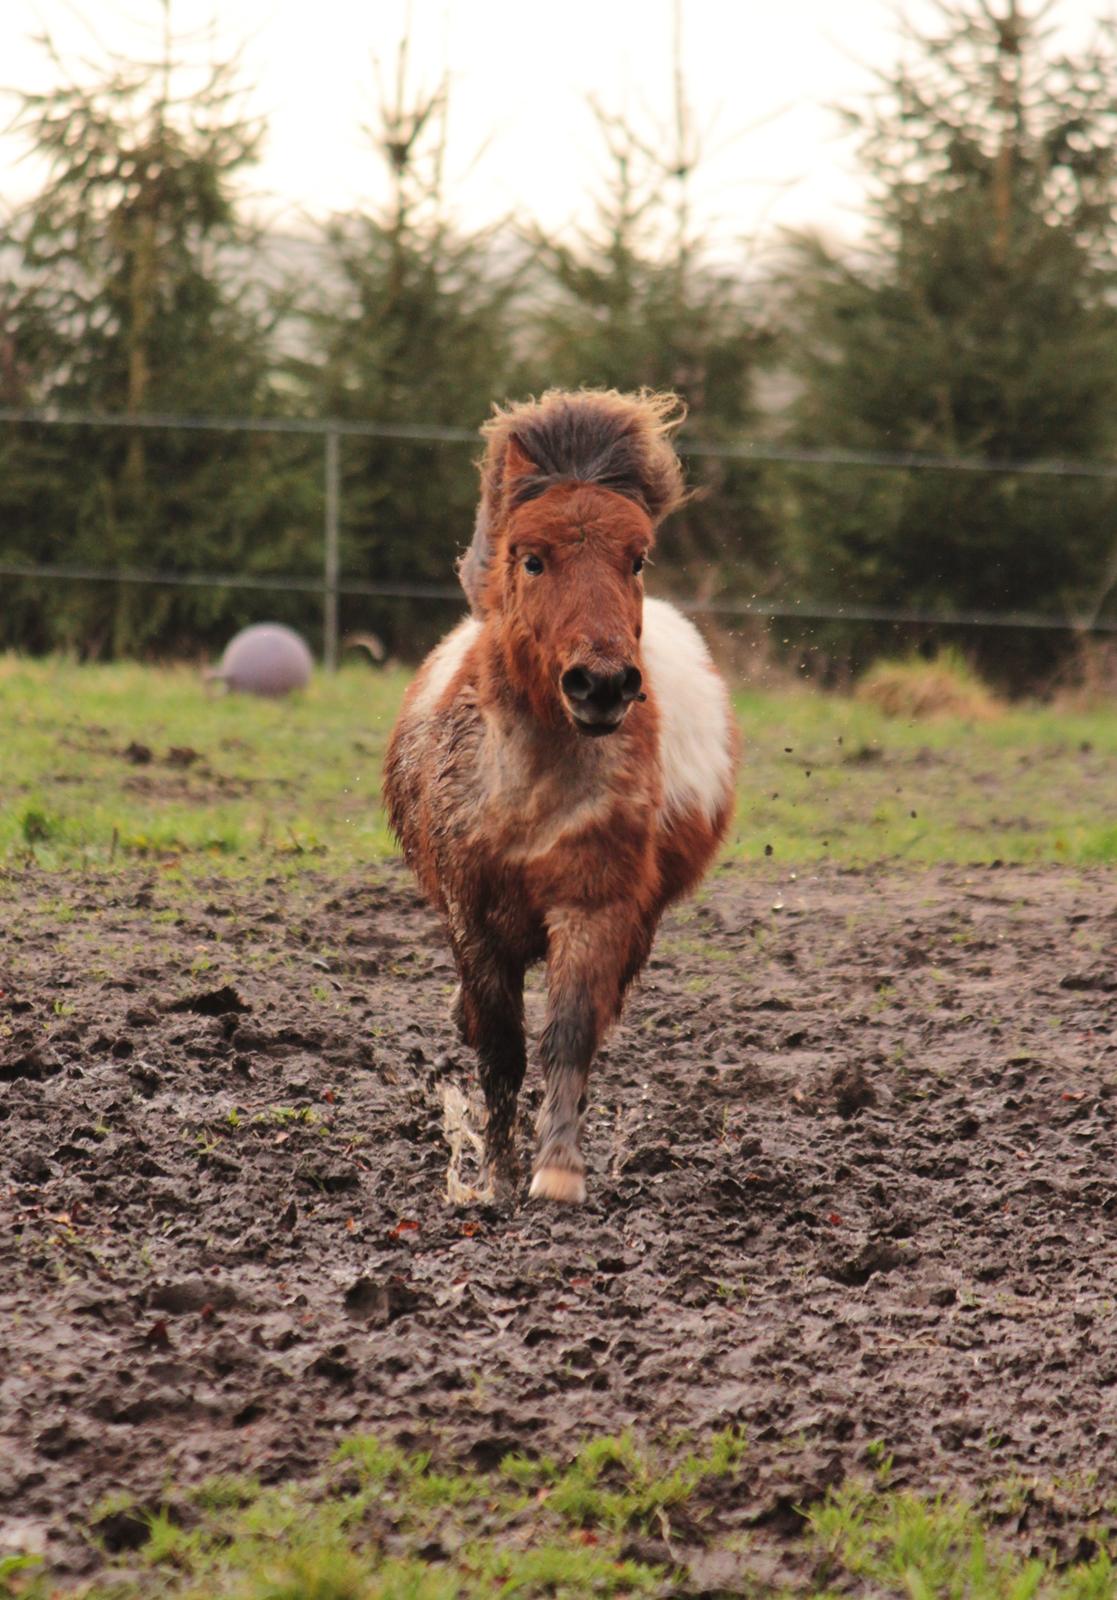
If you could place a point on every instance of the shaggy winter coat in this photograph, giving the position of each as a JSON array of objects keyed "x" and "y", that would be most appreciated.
[{"x": 563, "y": 764}]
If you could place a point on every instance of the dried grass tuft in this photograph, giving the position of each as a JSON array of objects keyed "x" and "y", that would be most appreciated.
[{"x": 946, "y": 686}]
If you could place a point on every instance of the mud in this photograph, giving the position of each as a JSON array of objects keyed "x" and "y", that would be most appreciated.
[{"x": 852, "y": 1187}]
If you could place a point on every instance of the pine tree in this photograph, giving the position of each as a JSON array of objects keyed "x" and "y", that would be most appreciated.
[
  {"x": 128, "y": 296},
  {"x": 412, "y": 327},
  {"x": 639, "y": 298},
  {"x": 978, "y": 320}
]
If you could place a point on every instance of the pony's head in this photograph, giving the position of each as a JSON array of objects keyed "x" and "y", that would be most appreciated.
[{"x": 573, "y": 488}]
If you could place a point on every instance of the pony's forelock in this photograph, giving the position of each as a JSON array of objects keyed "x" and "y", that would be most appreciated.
[
  {"x": 592, "y": 436},
  {"x": 597, "y": 437}
]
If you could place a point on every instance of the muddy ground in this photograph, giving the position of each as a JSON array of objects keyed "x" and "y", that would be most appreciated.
[{"x": 853, "y": 1186}]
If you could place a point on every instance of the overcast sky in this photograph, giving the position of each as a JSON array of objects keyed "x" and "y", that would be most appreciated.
[{"x": 761, "y": 74}]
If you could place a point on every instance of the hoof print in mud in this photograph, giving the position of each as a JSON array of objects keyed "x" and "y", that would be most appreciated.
[
  {"x": 221, "y": 1002},
  {"x": 376, "y": 1304}
]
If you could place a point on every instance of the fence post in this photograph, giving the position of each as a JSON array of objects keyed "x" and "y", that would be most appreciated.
[{"x": 329, "y": 628}]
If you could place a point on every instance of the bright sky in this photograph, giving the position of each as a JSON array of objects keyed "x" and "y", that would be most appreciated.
[{"x": 761, "y": 75}]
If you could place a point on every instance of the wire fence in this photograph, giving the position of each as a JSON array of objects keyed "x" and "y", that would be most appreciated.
[
  {"x": 332, "y": 586},
  {"x": 809, "y": 610}
]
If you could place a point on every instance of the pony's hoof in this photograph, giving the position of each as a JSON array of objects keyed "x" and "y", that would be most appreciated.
[{"x": 559, "y": 1183}]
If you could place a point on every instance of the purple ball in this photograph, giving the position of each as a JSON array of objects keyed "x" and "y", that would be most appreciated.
[{"x": 265, "y": 659}]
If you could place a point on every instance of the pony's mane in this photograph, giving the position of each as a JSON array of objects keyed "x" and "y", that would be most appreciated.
[{"x": 593, "y": 436}]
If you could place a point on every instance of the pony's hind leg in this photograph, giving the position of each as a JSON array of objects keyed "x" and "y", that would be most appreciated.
[
  {"x": 490, "y": 1010},
  {"x": 591, "y": 960}
]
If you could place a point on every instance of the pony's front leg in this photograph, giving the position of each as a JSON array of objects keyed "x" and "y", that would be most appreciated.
[
  {"x": 491, "y": 1012},
  {"x": 589, "y": 962}
]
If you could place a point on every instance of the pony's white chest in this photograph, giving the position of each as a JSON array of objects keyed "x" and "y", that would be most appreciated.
[{"x": 533, "y": 798}]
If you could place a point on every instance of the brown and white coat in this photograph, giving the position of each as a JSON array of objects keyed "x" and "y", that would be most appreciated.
[{"x": 563, "y": 764}]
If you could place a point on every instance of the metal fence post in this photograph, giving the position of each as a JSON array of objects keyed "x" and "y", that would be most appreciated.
[{"x": 329, "y": 620}]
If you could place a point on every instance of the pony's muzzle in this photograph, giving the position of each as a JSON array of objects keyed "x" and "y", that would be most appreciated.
[{"x": 597, "y": 700}]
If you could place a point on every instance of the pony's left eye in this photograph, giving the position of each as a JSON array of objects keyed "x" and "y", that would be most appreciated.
[
  {"x": 534, "y": 565},
  {"x": 638, "y": 563}
]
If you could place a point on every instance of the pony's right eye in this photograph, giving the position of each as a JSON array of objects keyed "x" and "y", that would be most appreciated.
[{"x": 534, "y": 565}]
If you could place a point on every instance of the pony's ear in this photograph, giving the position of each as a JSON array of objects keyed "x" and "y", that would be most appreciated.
[{"x": 517, "y": 462}]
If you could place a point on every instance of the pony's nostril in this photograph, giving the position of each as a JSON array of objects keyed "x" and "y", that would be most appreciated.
[
  {"x": 631, "y": 684},
  {"x": 577, "y": 684}
]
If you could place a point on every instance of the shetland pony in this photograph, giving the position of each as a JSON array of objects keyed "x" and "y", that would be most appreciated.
[{"x": 563, "y": 763}]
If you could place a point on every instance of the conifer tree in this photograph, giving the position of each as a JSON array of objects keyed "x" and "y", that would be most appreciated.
[
  {"x": 978, "y": 320},
  {"x": 411, "y": 327},
  {"x": 639, "y": 297},
  {"x": 128, "y": 295}
]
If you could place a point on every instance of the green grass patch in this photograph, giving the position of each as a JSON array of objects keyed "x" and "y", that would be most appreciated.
[
  {"x": 128, "y": 763},
  {"x": 613, "y": 1484},
  {"x": 829, "y": 778},
  {"x": 386, "y": 1524},
  {"x": 235, "y": 784},
  {"x": 936, "y": 1549}
]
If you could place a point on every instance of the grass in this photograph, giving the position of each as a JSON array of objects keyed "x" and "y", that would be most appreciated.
[
  {"x": 936, "y": 1549},
  {"x": 296, "y": 783},
  {"x": 828, "y": 778},
  {"x": 229, "y": 780},
  {"x": 383, "y": 1524}
]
